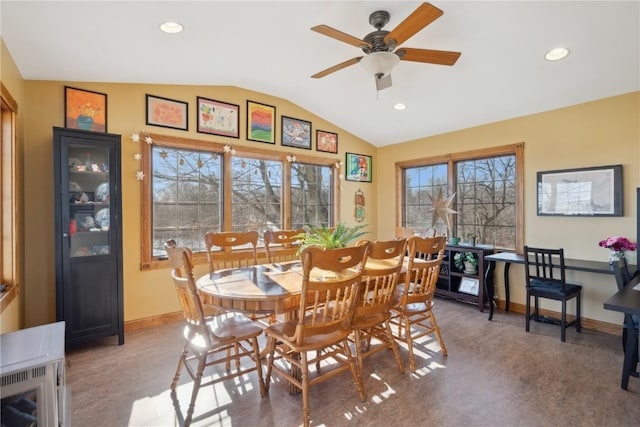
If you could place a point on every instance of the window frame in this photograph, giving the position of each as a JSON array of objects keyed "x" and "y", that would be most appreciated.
[
  {"x": 8, "y": 191},
  {"x": 450, "y": 159},
  {"x": 148, "y": 261}
]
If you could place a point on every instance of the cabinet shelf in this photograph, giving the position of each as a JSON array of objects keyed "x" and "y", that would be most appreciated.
[{"x": 451, "y": 278}]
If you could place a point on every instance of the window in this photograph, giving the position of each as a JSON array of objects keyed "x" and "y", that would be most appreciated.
[
  {"x": 256, "y": 188},
  {"x": 311, "y": 195},
  {"x": 187, "y": 196},
  {"x": 488, "y": 186},
  {"x": 191, "y": 187},
  {"x": 9, "y": 215}
]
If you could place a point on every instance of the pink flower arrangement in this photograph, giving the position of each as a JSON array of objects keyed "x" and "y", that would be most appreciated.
[{"x": 618, "y": 244}]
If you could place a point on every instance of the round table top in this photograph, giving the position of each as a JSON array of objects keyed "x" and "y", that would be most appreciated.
[{"x": 260, "y": 282}]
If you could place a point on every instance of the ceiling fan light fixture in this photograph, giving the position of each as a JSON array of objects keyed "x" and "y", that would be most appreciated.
[
  {"x": 556, "y": 54},
  {"x": 377, "y": 63}
]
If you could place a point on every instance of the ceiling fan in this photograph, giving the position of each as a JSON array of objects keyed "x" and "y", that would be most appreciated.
[{"x": 380, "y": 45}]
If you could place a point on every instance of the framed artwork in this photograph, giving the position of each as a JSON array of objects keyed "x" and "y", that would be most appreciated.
[
  {"x": 594, "y": 191},
  {"x": 167, "y": 113},
  {"x": 218, "y": 118},
  {"x": 296, "y": 133},
  {"x": 85, "y": 109},
  {"x": 261, "y": 122},
  {"x": 469, "y": 285},
  {"x": 326, "y": 141},
  {"x": 358, "y": 167}
]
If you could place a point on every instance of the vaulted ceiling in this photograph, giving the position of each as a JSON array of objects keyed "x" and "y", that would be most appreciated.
[{"x": 268, "y": 47}]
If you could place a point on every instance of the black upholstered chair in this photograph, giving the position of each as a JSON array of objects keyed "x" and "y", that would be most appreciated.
[{"x": 545, "y": 275}]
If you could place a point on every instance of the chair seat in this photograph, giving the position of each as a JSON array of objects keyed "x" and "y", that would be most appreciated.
[
  {"x": 553, "y": 289},
  {"x": 225, "y": 327},
  {"x": 368, "y": 320},
  {"x": 284, "y": 331}
]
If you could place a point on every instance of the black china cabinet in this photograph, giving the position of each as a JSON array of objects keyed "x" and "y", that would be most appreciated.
[{"x": 88, "y": 234}]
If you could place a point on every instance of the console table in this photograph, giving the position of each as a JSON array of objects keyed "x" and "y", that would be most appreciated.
[{"x": 509, "y": 258}]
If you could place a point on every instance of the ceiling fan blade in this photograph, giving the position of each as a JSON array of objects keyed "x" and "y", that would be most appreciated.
[
  {"x": 339, "y": 35},
  {"x": 440, "y": 57},
  {"x": 424, "y": 15},
  {"x": 337, "y": 67}
]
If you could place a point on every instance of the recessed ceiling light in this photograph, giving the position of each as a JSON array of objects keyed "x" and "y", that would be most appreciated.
[
  {"x": 556, "y": 54},
  {"x": 171, "y": 27},
  {"x": 399, "y": 106}
]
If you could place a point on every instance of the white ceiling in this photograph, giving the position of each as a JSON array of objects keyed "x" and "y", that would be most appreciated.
[{"x": 268, "y": 47}]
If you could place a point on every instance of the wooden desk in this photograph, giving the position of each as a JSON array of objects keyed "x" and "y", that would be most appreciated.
[
  {"x": 513, "y": 258},
  {"x": 627, "y": 301}
]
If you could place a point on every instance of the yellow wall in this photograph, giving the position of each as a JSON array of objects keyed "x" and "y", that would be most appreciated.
[
  {"x": 12, "y": 317},
  {"x": 146, "y": 293},
  {"x": 603, "y": 132}
]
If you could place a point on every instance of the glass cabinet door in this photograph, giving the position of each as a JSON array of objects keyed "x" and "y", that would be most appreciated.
[{"x": 89, "y": 200}]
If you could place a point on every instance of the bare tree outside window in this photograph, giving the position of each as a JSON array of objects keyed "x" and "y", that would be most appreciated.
[
  {"x": 311, "y": 195},
  {"x": 187, "y": 196},
  {"x": 486, "y": 200},
  {"x": 256, "y": 201},
  {"x": 420, "y": 183}
]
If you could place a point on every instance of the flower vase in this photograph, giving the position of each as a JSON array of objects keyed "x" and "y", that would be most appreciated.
[{"x": 616, "y": 256}]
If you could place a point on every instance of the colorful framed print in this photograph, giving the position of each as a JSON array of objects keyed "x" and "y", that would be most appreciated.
[
  {"x": 296, "y": 133},
  {"x": 261, "y": 122},
  {"x": 85, "y": 109},
  {"x": 167, "y": 113},
  {"x": 326, "y": 141},
  {"x": 218, "y": 118},
  {"x": 359, "y": 167}
]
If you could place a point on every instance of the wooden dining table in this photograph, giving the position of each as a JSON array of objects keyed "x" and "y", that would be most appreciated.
[{"x": 262, "y": 289}]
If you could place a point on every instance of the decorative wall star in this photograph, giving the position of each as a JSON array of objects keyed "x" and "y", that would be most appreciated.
[
  {"x": 148, "y": 139},
  {"x": 135, "y": 137},
  {"x": 442, "y": 209},
  {"x": 139, "y": 175}
]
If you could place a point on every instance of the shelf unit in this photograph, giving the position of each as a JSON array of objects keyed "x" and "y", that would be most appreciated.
[
  {"x": 88, "y": 234},
  {"x": 451, "y": 277}
]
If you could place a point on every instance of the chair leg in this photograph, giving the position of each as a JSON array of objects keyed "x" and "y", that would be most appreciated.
[
  {"x": 394, "y": 345},
  {"x": 271, "y": 347},
  {"x": 436, "y": 329},
  {"x": 578, "y": 316},
  {"x": 258, "y": 362},
  {"x": 306, "y": 413},
  {"x": 197, "y": 380},
  {"x": 176, "y": 376},
  {"x": 409, "y": 338},
  {"x": 358, "y": 345},
  {"x": 563, "y": 321},
  {"x": 354, "y": 370},
  {"x": 527, "y": 313}
]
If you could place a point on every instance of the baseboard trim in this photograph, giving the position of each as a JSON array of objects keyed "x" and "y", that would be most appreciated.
[
  {"x": 596, "y": 325},
  {"x": 152, "y": 321}
]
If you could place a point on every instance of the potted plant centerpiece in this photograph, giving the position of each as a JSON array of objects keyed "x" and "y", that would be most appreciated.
[
  {"x": 330, "y": 237},
  {"x": 466, "y": 261}
]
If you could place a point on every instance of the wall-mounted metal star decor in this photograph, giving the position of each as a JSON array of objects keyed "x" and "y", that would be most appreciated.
[{"x": 442, "y": 209}]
